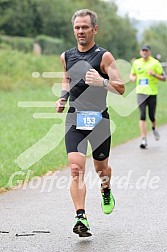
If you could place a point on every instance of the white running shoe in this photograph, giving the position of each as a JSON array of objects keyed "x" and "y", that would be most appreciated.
[
  {"x": 156, "y": 134},
  {"x": 143, "y": 144}
]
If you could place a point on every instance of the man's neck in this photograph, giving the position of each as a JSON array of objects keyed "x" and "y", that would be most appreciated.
[
  {"x": 85, "y": 48},
  {"x": 146, "y": 59}
]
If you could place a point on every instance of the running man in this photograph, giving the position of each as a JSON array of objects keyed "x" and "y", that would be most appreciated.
[
  {"x": 147, "y": 71},
  {"x": 90, "y": 71}
]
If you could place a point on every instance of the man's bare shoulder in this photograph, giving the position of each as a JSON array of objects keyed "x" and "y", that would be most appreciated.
[
  {"x": 108, "y": 57},
  {"x": 62, "y": 59},
  {"x": 62, "y": 56}
]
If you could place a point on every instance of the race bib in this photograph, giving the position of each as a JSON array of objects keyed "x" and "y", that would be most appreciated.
[
  {"x": 143, "y": 82},
  {"x": 87, "y": 120}
]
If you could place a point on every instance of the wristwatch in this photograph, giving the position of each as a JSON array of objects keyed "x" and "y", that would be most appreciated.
[{"x": 105, "y": 83}]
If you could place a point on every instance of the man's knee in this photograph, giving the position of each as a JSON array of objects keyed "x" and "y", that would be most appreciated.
[
  {"x": 142, "y": 116},
  {"x": 152, "y": 118},
  {"x": 102, "y": 169},
  {"x": 76, "y": 171}
]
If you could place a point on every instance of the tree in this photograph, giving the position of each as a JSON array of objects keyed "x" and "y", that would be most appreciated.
[
  {"x": 116, "y": 33},
  {"x": 156, "y": 37},
  {"x": 53, "y": 18},
  {"x": 19, "y": 18}
]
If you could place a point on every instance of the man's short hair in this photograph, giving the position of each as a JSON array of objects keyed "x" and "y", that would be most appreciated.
[{"x": 86, "y": 12}]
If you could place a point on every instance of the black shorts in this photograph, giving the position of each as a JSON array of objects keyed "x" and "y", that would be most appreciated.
[
  {"x": 76, "y": 140},
  {"x": 143, "y": 102}
]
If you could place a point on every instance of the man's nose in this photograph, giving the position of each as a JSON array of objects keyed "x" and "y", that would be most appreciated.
[{"x": 80, "y": 29}]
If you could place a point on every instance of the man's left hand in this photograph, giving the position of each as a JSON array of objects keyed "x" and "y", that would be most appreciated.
[
  {"x": 93, "y": 78},
  {"x": 150, "y": 72}
]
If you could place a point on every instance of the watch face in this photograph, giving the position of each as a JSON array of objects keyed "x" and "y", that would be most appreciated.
[{"x": 105, "y": 82}]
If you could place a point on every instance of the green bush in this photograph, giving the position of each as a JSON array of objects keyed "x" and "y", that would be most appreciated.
[
  {"x": 18, "y": 43},
  {"x": 50, "y": 45}
]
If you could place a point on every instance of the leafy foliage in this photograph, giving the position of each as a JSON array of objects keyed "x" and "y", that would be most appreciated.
[
  {"x": 18, "y": 43},
  {"x": 156, "y": 36},
  {"x": 30, "y": 18}
]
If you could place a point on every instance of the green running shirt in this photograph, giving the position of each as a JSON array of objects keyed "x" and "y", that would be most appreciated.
[{"x": 145, "y": 83}]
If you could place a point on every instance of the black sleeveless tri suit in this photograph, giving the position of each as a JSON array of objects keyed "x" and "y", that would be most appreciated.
[{"x": 86, "y": 98}]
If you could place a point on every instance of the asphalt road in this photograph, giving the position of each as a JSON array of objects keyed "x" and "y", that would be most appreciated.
[{"x": 137, "y": 224}]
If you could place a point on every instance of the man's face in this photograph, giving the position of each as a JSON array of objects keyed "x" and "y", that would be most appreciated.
[
  {"x": 145, "y": 53},
  {"x": 83, "y": 30}
]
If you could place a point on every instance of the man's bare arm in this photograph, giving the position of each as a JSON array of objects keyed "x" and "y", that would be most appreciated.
[
  {"x": 109, "y": 67},
  {"x": 60, "y": 104}
]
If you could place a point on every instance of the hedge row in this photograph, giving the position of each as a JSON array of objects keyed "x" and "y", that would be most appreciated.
[{"x": 47, "y": 45}]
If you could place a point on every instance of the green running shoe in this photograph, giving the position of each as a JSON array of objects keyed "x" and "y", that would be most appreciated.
[
  {"x": 108, "y": 201},
  {"x": 81, "y": 226}
]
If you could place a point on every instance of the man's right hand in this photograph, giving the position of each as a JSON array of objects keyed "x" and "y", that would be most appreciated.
[{"x": 60, "y": 105}]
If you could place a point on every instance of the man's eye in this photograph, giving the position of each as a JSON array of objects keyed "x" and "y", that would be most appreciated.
[{"x": 83, "y": 27}]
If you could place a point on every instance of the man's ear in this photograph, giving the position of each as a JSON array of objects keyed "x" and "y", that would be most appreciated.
[{"x": 95, "y": 29}]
